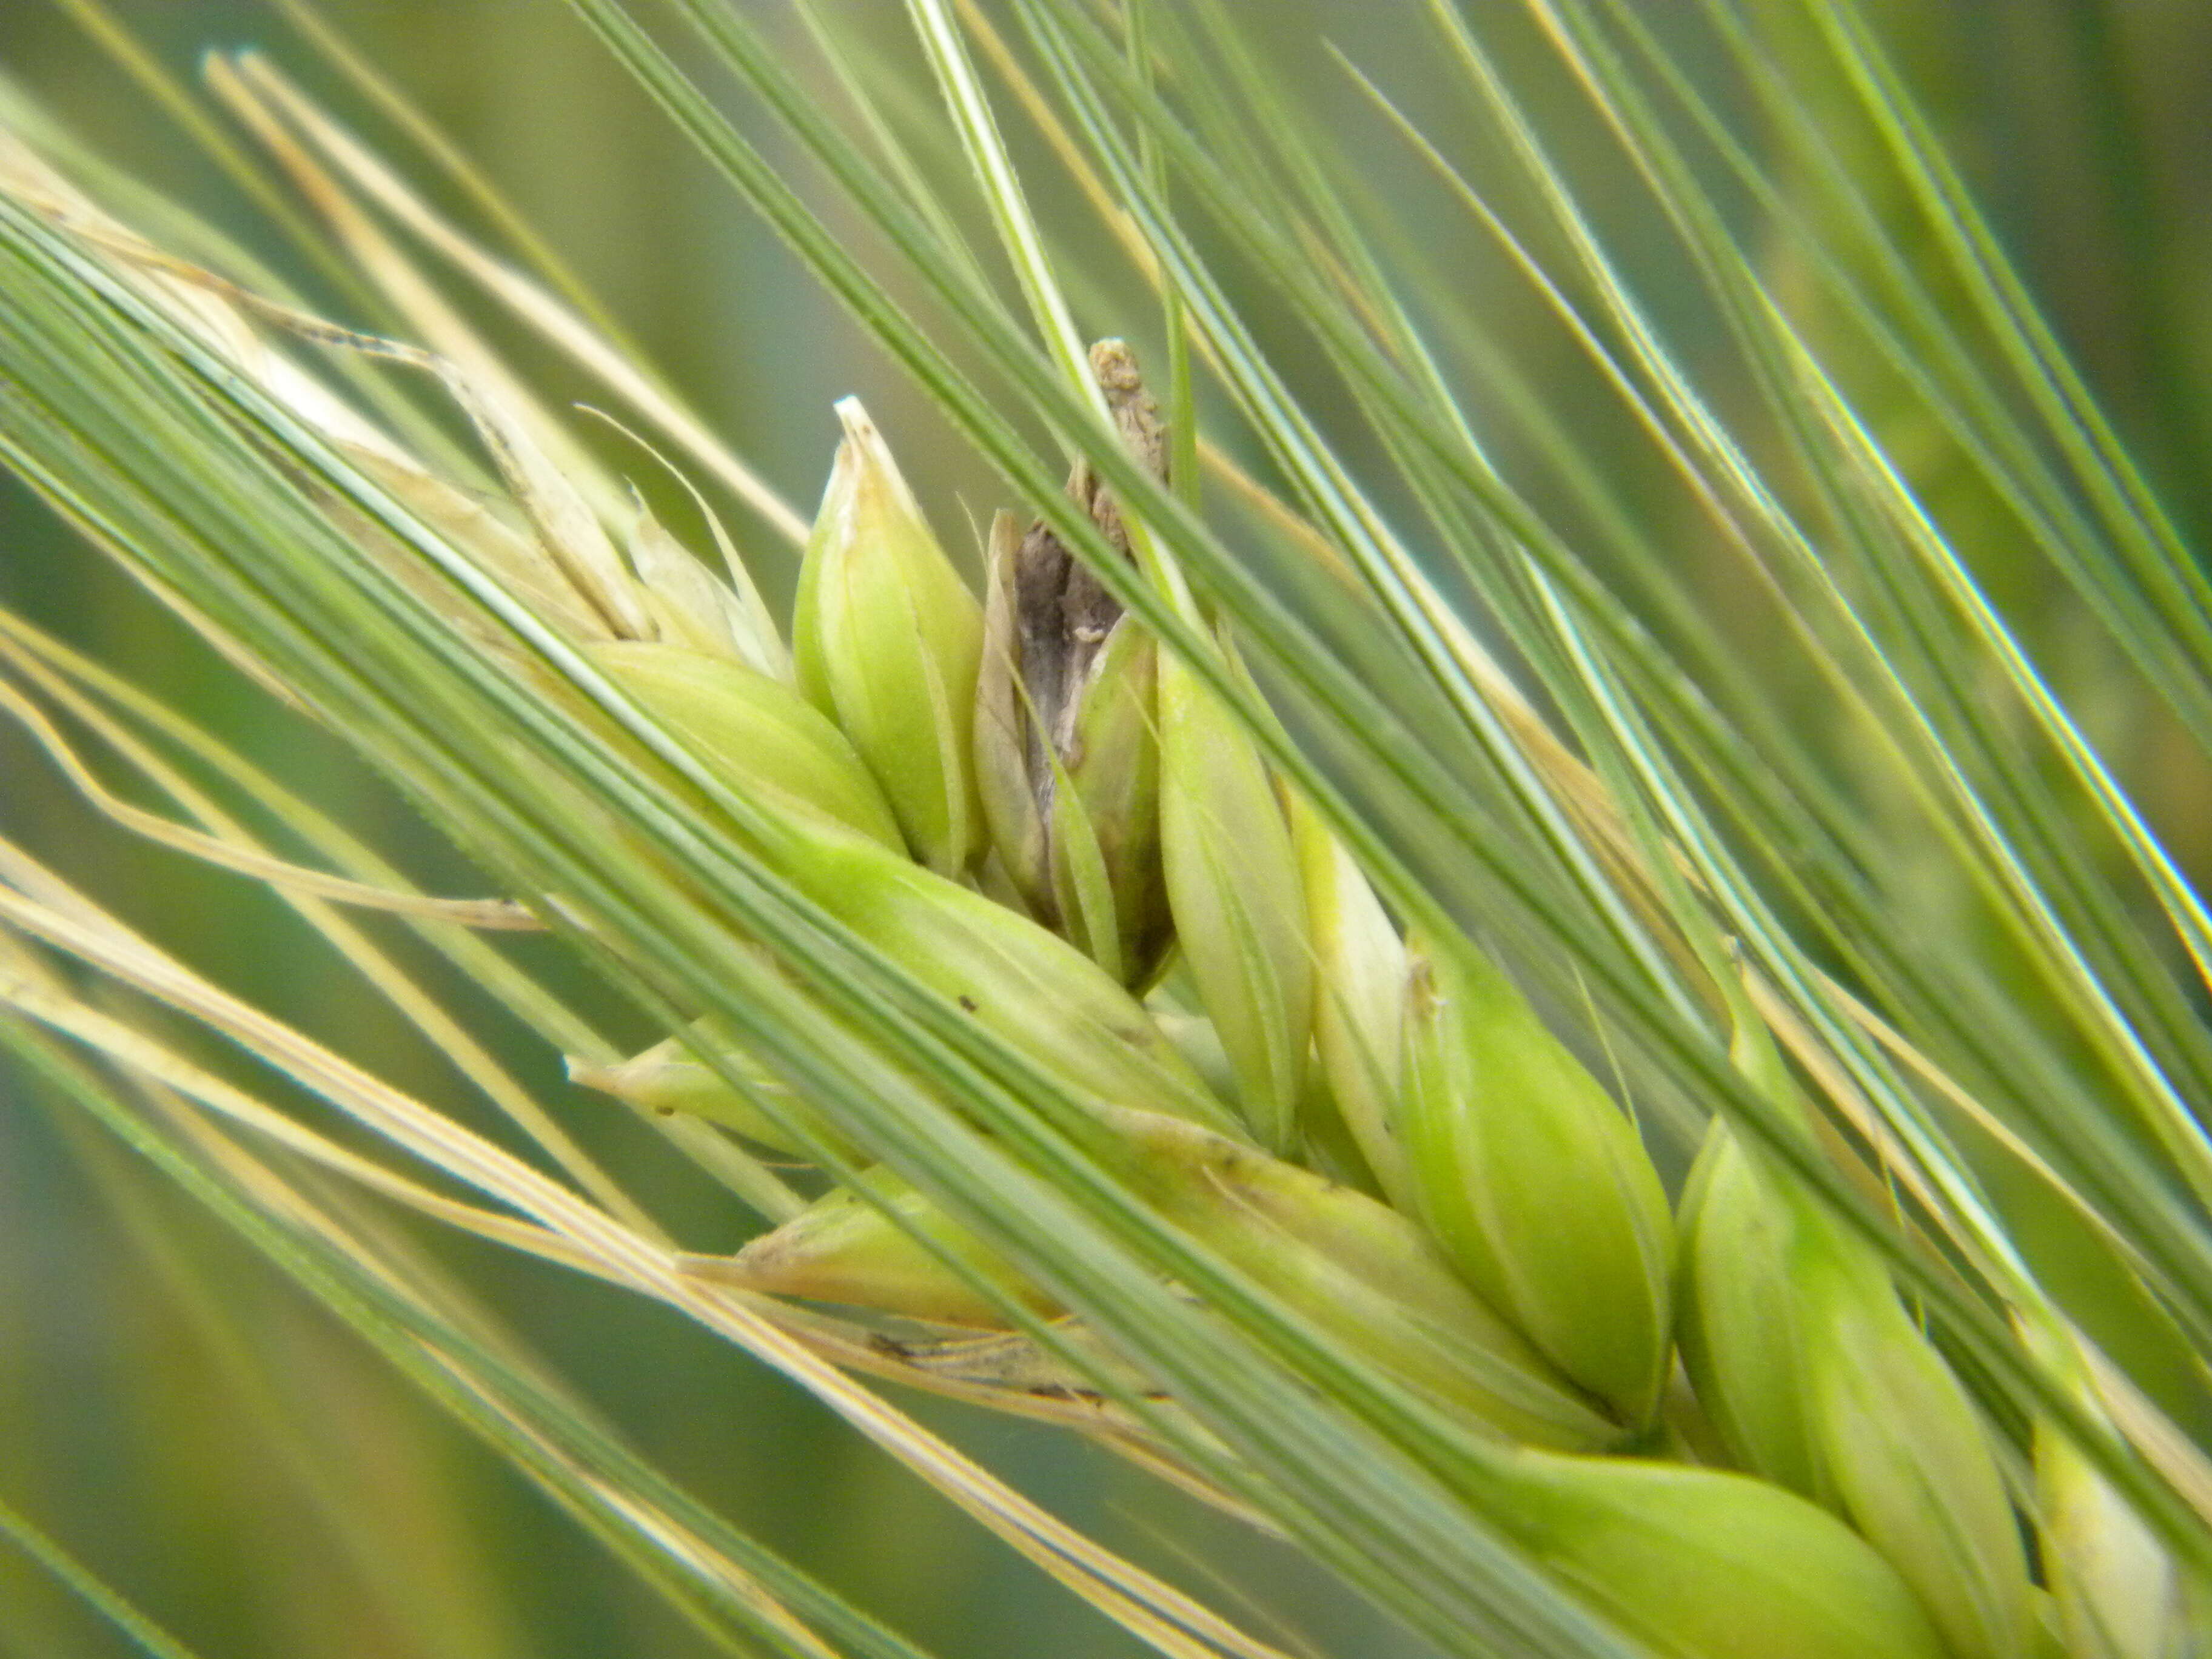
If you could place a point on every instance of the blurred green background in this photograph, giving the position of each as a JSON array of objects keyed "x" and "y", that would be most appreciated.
[{"x": 176, "y": 1414}]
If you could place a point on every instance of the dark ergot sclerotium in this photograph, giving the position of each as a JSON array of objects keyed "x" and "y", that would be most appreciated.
[{"x": 1066, "y": 744}]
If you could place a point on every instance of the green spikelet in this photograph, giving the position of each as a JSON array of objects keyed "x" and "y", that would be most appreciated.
[
  {"x": 844, "y": 1248},
  {"x": 1239, "y": 908},
  {"x": 1359, "y": 1270},
  {"x": 2118, "y": 1593},
  {"x": 1359, "y": 1004},
  {"x": 1736, "y": 1319},
  {"x": 1038, "y": 992},
  {"x": 764, "y": 739},
  {"x": 1534, "y": 1180},
  {"x": 690, "y": 607},
  {"x": 1355, "y": 1267},
  {"x": 1911, "y": 1460},
  {"x": 670, "y": 1077},
  {"x": 1816, "y": 1374},
  {"x": 1697, "y": 1564},
  {"x": 1194, "y": 1038},
  {"x": 886, "y": 641}
]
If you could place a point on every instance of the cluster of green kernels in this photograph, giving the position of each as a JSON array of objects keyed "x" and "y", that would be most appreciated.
[{"x": 1039, "y": 814}]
